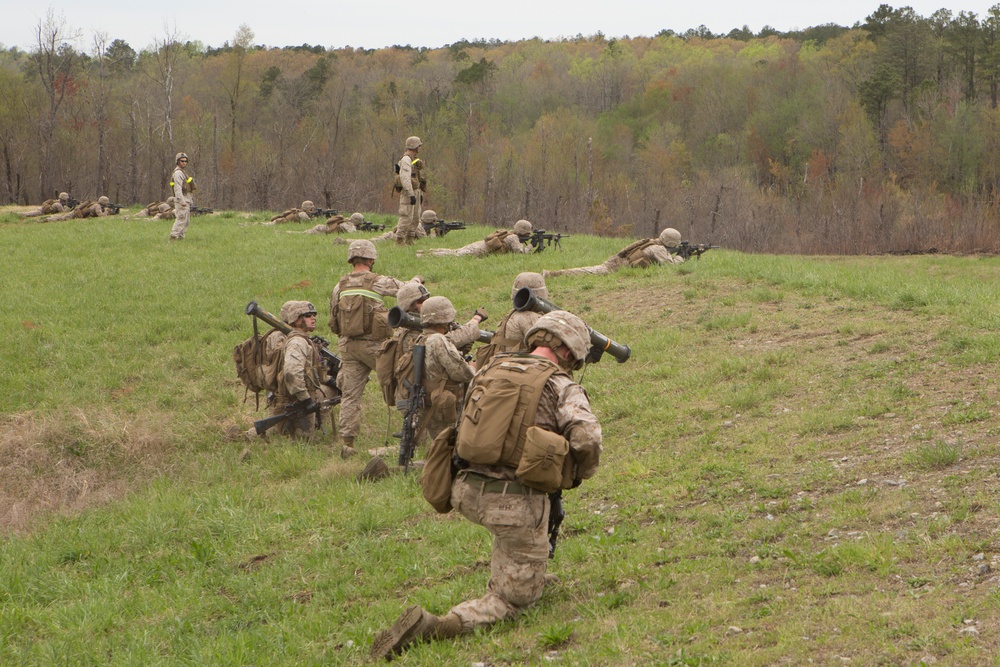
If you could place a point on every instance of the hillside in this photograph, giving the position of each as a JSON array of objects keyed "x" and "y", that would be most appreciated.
[{"x": 800, "y": 462}]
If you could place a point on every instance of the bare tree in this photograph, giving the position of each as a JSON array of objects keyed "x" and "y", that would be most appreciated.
[{"x": 164, "y": 58}]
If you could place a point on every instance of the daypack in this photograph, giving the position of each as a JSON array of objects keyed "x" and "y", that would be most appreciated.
[
  {"x": 257, "y": 367},
  {"x": 634, "y": 255},
  {"x": 388, "y": 358},
  {"x": 359, "y": 310},
  {"x": 500, "y": 407},
  {"x": 499, "y": 343},
  {"x": 494, "y": 242},
  {"x": 439, "y": 471}
]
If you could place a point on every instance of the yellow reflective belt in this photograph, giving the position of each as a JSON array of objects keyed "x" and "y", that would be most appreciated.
[{"x": 361, "y": 292}]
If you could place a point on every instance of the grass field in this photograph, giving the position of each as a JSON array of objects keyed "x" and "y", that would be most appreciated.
[{"x": 801, "y": 462}]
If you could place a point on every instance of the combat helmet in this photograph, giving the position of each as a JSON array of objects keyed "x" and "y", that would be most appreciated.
[
  {"x": 362, "y": 248},
  {"x": 177, "y": 158},
  {"x": 522, "y": 228},
  {"x": 414, "y": 142},
  {"x": 103, "y": 200},
  {"x": 561, "y": 327},
  {"x": 307, "y": 205},
  {"x": 357, "y": 218},
  {"x": 63, "y": 196},
  {"x": 293, "y": 310},
  {"x": 437, "y": 310},
  {"x": 533, "y": 280},
  {"x": 428, "y": 216},
  {"x": 409, "y": 294},
  {"x": 670, "y": 237}
]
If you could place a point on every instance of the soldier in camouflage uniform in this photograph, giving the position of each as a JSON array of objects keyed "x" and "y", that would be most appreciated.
[
  {"x": 182, "y": 187},
  {"x": 408, "y": 185},
  {"x": 511, "y": 330},
  {"x": 294, "y": 214},
  {"x": 336, "y": 225},
  {"x": 492, "y": 495},
  {"x": 50, "y": 207},
  {"x": 85, "y": 209},
  {"x": 647, "y": 252},
  {"x": 500, "y": 241},
  {"x": 359, "y": 295}
]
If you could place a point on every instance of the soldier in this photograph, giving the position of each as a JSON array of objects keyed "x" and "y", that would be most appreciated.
[
  {"x": 85, "y": 209},
  {"x": 183, "y": 186},
  {"x": 148, "y": 211},
  {"x": 410, "y": 195},
  {"x": 165, "y": 211},
  {"x": 336, "y": 225},
  {"x": 302, "y": 375},
  {"x": 640, "y": 254},
  {"x": 294, "y": 214},
  {"x": 552, "y": 412},
  {"x": 359, "y": 317},
  {"x": 500, "y": 241},
  {"x": 511, "y": 330},
  {"x": 50, "y": 207},
  {"x": 391, "y": 236}
]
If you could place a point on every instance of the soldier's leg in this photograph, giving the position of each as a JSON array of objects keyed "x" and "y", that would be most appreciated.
[
  {"x": 402, "y": 224},
  {"x": 599, "y": 270},
  {"x": 357, "y": 361},
  {"x": 181, "y": 216},
  {"x": 519, "y": 524}
]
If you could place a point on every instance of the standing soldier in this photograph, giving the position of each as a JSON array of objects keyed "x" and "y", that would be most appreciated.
[
  {"x": 500, "y": 241},
  {"x": 50, "y": 207},
  {"x": 550, "y": 414},
  {"x": 642, "y": 253},
  {"x": 360, "y": 319},
  {"x": 182, "y": 186},
  {"x": 410, "y": 194},
  {"x": 302, "y": 375}
]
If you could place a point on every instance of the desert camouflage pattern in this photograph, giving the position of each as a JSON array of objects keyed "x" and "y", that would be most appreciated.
[
  {"x": 85, "y": 209},
  {"x": 302, "y": 377},
  {"x": 183, "y": 201},
  {"x": 656, "y": 254},
  {"x": 47, "y": 207},
  {"x": 444, "y": 368},
  {"x": 409, "y": 214},
  {"x": 391, "y": 235},
  {"x": 478, "y": 249}
]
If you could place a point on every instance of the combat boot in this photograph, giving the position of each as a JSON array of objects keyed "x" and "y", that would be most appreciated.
[
  {"x": 347, "y": 449},
  {"x": 413, "y": 625}
]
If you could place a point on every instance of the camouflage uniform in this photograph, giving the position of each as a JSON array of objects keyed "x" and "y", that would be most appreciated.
[
  {"x": 50, "y": 207},
  {"x": 294, "y": 214},
  {"x": 335, "y": 225},
  {"x": 85, "y": 209},
  {"x": 183, "y": 186},
  {"x": 516, "y": 515},
  {"x": 655, "y": 252},
  {"x": 504, "y": 243},
  {"x": 445, "y": 369},
  {"x": 391, "y": 235},
  {"x": 408, "y": 185}
]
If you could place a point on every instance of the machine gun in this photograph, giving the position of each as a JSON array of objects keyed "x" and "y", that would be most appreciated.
[
  {"x": 685, "y": 249},
  {"x": 323, "y": 212},
  {"x": 201, "y": 210},
  {"x": 400, "y": 318},
  {"x": 412, "y": 407},
  {"x": 366, "y": 226},
  {"x": 114, "y": 208},
  {"x": 526, "y": 299},
  {"x": 540, "y": 240},
  {"x": 72, "y": 203},
  {"x": 442, "y": 227},
  {"x": 296, "y": 411},
  {"x": 330, "y": 360}
]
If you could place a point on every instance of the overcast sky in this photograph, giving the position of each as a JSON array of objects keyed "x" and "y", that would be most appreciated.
[{"x": 432, "y": 23}]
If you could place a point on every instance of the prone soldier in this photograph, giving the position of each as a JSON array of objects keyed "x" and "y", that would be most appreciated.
[
  {"x": 642, "y": 253},
  {"x": 85, "y": 209},
  {"x": 500, "y": 241},
  {"x": 294, "y": 214},
  {"x": 50, "y": 207}
]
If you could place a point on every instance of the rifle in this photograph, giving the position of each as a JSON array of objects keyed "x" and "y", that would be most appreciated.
[
  {"x": 526, "y": 299},
  {"x": 366, "y": 226},
  {"x": 114, "y": 208},
  {"x": 72, "y": 203},
  {"x": 412, "y": 406},
  {"x": 442, "y": 227},
  {"x": 400, "y": 318},
  {"x": 295, "y": 412},
  {"x": 685, "y": 249},
  {"x": 541, "y": 239},
  {"x": 323, "y": 212},
  {"x": 556, "y": 516},
  {"x": 330, "y": 360},
  {"x": 200, "y": 210}
]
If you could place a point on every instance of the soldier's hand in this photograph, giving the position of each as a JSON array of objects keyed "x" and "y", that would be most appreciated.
[
  {"x": 310, "y": 406},
  {"x": 413, "y": 200},
  {"x": 481, "y": 313},
  {"x": 594, "y": 355}
]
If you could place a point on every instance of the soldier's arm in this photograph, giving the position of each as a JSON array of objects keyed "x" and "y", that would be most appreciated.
[
  {"x": 515, "y": 245},
  {"x": 657, "y": 254},
  {"x": 449, "y": 358},
  {"x": 464, "y": 335},
  {"x": 406, "y": 176},
  {"x": 579, "y": 425}
]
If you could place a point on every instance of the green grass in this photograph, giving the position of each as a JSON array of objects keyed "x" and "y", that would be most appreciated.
[{"x": 800, "y": 462}]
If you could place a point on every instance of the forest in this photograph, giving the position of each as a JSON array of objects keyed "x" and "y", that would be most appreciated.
[{"x": 877, "y": 138}]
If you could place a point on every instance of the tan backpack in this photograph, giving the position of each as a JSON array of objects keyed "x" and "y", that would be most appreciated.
[
  {"x": 499, "y": 343},
  {"x": 359, "y": 310},
  {"x": 634, "y": 255},
  {"x": 494, "y": 242},
  {"x": 256, "y": 367},
  {"x": 388, "y": 358}
]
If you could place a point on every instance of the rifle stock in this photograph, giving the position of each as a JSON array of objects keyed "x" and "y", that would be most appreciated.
[{"x": 526, "y": 299}]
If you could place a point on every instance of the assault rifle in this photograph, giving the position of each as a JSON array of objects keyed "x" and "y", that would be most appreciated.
[
  {"x": 526, "y": 299},
  {"x": 412, "y": 407},
  {"x": 296, "y": 411},
  {"x": 442, "y": 227},
  {"x": 72, "y": 203},
  {"x": 540, "y": 240},
  {"x": 330, "y": 360},
  {"x": 323, "y": 212},
  {"x": 366, "y": 226},
  {"x": 556, "y": 516},
  {"x": 685, "y": 249},
  {"x": 114, "y": 208},
  {"x": 200, "y": 210},
  {"x": 400, "y": 318}
]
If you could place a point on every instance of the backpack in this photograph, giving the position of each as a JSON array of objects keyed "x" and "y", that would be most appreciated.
[
  {"x": 499, "y": 343},
  {"x": 494, "y": 242},
  {"x": 439, "y": 471},
  {"x": 634, "y": 255},
  {"x": 359, "y": 311},
  {"x": 389, "y": 356},
  {"x": 257, "y": 367}
]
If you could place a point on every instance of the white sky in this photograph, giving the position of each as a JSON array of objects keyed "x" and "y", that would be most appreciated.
[{"x": 432, "y": 23}]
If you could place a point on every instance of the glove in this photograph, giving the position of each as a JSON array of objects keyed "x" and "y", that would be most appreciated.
[
  {"x": 482, "y": 314},
  {"x": 576, "y": 482},
  {"x": 594, "y": 355},
  {"x": 310, "y": 406},
  {"x": 413, "y": 200}
]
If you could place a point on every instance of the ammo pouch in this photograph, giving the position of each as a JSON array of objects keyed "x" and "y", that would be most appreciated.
[
  {"x": 546, "y": 463},
  {"x": 494, "y": 242}
]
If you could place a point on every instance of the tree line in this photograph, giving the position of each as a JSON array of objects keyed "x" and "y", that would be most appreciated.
[{"x": 880, "y": 137}]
